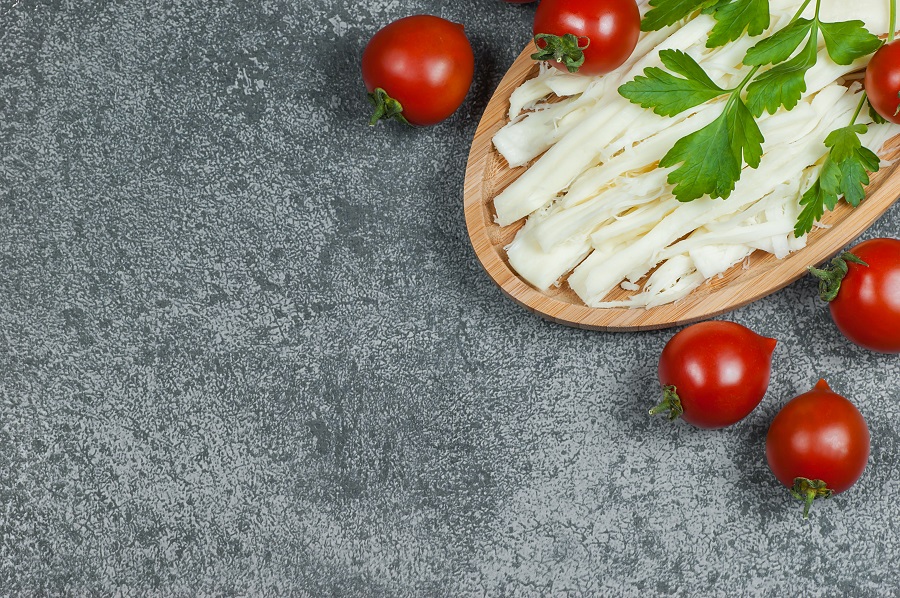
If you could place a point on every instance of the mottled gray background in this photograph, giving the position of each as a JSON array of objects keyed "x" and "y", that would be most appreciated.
[{"x": 246, "y": 348}]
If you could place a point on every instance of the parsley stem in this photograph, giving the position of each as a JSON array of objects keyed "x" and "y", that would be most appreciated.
[
  {"x": 862, "y": 100},
  {"x": 800, "y": 10},
  {"x": 892, "y": 31},
  {"x": 737, "y": 90}
]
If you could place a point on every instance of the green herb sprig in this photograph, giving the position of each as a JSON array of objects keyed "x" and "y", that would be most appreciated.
[
  {"x": 733, "y": 17},
  {"x": 846, "y": 169},
  {"x": 845, "y": 172},
  {"x": 709, "y": 161}
]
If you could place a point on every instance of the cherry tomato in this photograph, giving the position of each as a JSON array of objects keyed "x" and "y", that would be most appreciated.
[
  {"x": 590, "y": 37},
  {"x": 818, "y": 445},
  {"x": 714, "y": 373},
  {"x": 883, "y": 81},
  {"x": 418, "y": 69},
  {"x": 864, "y": 298}
]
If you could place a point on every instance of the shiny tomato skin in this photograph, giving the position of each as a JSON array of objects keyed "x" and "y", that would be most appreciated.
[
  {"x": 867, "y": 307},
  {"x": 424, "y": 62},
  {"x": 883, "y": 81},
  {"x": 720, "y": 371},
  {"x": 612, "y": 26},
  {"x": 818, "y": 435}
]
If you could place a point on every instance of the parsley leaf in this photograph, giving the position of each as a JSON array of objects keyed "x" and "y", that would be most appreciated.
[
  {"x": 844, "y": 173},
  {"x": 854, "y": 161},
  {"x": 779, "y": 46},
  {"x": 747, "y": 139},
  {"x": 666, "y": 94},
  {"x": 736, "y": 16},
  {"x": 709, "y": 161},
  {"x": 813, "y": 202},
  {"x": 684, "y": 64},
  {"x": 783, "y": 84},
  {"x": 876, "y": 118},
  {"x": 711, "y": 158},
  {"x": 830, "y": 182},
  {"x": 710, "y": 8},
  {"x": 668, "y": 12},
  {"x": 848, "y": 40}
]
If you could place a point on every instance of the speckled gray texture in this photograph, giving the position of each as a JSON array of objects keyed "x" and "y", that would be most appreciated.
[{"x": 246, "y": 348}]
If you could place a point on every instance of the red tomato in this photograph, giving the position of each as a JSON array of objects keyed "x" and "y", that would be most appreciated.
[
  {"x": 423, "y": 64},
  {"x": 883, "y": 81},
  {"x": 866, "y": 308},
  {"x": 601, "y": 32},
  {"x": 714, "y": 373},
  {"x": 818, "y": 444}
]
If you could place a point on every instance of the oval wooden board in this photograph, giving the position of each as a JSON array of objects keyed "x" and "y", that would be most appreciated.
[{"x": 487, "y": 174}]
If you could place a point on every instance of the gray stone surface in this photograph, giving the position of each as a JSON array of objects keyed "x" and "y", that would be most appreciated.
[{"x": 246, "y": 348}]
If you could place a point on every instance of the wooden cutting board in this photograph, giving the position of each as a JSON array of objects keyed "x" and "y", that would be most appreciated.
[{"x": 488, "y": 173}]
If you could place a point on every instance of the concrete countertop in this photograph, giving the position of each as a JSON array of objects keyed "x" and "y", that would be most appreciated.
[{"x": 246, "y": 348}]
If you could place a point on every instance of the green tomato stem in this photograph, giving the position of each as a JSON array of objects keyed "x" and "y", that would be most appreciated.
[
  {"x": 808, "y": 491},
  {"x": 670, "y": 405},
  {"x": 566, "y": 49},
  {"x": 385, "y": 107},
  {"x": 830, "y": 276}
]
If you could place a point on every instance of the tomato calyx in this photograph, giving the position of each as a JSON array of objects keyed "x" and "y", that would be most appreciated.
[
  {"x": 670, "y": 405},
  {"x": 830, "y": 276},
  {"x": 809, "y": 490},
  {"x": 386, "y": 107},
  {"x": 566, "y": 49}
]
